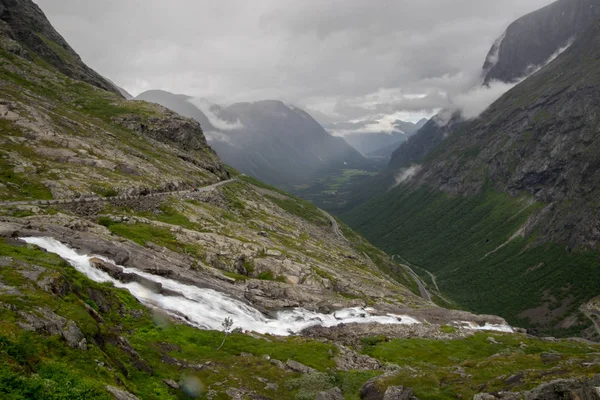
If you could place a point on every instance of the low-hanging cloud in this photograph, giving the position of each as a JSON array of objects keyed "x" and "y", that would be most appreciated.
[
  {"x": 348, "y": 59},
  {"x": 217, "y": 122},
  {"x": 475, "y": 101},
  {"x": 478, "y": 99},
  {"x": 406, "y": 174}
]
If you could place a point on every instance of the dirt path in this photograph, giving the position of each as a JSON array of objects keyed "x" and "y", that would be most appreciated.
[
  {"x": 334, "y": 225},
  {"x": 98, "y": 198}
]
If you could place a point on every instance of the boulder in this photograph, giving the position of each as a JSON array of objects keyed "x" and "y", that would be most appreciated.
[
  {"x": 349, "y": 360},
  {"x": 298, "y": 367},
  {"x": 119, "y": 394}
]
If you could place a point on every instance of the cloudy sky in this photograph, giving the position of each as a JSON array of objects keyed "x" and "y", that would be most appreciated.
[{"x": 342, "y": 60}]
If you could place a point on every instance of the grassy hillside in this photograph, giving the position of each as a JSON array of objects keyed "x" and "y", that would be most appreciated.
[
  {"x": 475, "y": 247},
  {"x": 145, "y": 353}
]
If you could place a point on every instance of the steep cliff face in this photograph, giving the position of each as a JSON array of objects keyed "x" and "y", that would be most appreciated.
[
  {"x": 504, "y": 210},
  {"x": 527, "y": 45},
  {"x": 24, "y": 22},
  {"x": 541, "y": 138},
  {"x": 532, "y": 39}
]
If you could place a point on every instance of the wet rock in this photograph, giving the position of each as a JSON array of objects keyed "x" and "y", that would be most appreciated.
[
  {"x": 298, "y": 367},
  {"x": 333, "y": 394},
  {"x": 118, "y": 273},
  {"x": 119, "y": 394}
]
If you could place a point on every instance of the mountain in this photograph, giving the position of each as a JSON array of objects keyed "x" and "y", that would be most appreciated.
[
  {"x": 27, "y": 32},
  {"x": 527, "y": 45},
  {"x": 503, "y": 210},
  {"x": 179, "y": 103},
  {"x": 368, "y": 141},
  {"x": 134, "y": 265},
  {"x": 279, "y": 144},
  {"x": 532, "y": 39}
]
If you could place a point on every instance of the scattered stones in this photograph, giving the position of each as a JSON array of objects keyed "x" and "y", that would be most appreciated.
[{"x": 349, "y": 360}]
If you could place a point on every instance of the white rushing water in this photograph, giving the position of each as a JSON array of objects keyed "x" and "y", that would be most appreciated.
[
  {"x": 207, "y": 308},
  {"x": 488, "y": 327}
]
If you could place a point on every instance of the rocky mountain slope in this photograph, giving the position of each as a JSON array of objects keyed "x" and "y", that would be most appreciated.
[
  {"x": 23, "y": 21},
  {"x": 507, "y": 202},
  {"x": 527, "y": 45},
  {"x": 279, "y": 144},
  {"x": 133, "y": 265},
  {"x": 532, "y": 39}
]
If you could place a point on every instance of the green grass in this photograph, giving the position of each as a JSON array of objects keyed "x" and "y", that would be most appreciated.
[
  {"x": 302, "y": 209},
  {"x": 34, "y": 365},
  {"x": 438, "y": 360},
  {"x": 460, "y": 239}
]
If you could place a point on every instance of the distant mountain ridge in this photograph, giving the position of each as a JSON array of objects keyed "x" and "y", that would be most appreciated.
[
  {"x": 368, "y": 142},
  {"x": 280, "y": 144}
]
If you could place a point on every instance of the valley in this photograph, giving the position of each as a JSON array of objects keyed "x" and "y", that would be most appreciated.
[{"x": 165, "y": 246}]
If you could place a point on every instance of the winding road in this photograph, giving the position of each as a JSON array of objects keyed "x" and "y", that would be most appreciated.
[
  {"x": 96, "y": 199},
  {"x": 422, "y": 289},
  {"x": 334, "y": 225}
]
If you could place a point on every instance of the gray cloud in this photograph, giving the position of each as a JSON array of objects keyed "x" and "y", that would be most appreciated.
[{"x": 341, "y": 59}]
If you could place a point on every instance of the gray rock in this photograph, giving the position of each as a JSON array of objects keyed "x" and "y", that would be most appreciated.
[
  {"x": 333, "y": 394},
  {"x": 119, "y": 394},
  {"x": 73, "y": 336},
  {"x": 550, "y": 357},
  {"x": 278, "y": 364},
  {"x": 171, "y": 383},
  {"x": 349, "y": 360},
  {"x": 46, "y": 321},
  {"x": 370, "y": 391},
  {"x": 398, "y": 393},
  {"x": 298, "y": 367}
]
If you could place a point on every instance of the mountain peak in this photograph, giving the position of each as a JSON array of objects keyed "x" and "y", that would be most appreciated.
[
  {"x": 26, "y": 31},
  {"x": 533, "y": 39}
]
